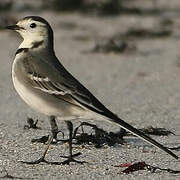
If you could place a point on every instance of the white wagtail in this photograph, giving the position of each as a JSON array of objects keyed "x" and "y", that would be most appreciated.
[{"x": 45, "y": 85}]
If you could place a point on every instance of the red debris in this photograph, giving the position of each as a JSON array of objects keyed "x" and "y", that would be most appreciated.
[
  {"x": 124, "y": 165},
  {"x": 135, "y": 167}
]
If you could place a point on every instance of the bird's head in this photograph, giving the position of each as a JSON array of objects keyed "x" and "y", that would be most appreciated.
[{"x": 35, "y": 31}]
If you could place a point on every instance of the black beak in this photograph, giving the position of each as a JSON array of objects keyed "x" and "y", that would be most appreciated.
[{"x": 14, "y": 27}]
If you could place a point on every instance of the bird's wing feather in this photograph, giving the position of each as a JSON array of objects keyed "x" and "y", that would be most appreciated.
[{"x": 53, "y": 78}]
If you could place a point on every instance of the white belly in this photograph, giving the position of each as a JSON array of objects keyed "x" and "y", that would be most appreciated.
[{"x": 32, "y": 100}]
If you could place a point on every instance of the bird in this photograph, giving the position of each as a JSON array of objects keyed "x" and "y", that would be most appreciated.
[{"x": 47, "y": 87}]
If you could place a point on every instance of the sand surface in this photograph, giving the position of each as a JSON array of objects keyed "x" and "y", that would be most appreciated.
[{"x": 142, "y": 87}]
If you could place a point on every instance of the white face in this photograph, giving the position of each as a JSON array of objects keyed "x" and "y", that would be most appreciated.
[{"x": 31, "y": 29}]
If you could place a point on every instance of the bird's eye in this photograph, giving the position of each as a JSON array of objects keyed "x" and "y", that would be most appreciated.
[{"x": 33, "y": 25}]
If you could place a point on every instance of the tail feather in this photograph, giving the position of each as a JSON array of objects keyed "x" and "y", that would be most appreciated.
[{"x": 143, "y": 136}]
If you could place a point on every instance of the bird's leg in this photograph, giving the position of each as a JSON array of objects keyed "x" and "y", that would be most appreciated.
[
  {"x": 54, "y": 128},
  {"x": 54, "y": 131},
  {"x": 71, "y": 156},
  {"x": 42, "y": 159}
]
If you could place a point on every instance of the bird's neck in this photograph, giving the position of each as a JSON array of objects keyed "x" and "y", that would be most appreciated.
[
  {"x": 30, "y": 42},
  {"x": 37, "y": 45}
]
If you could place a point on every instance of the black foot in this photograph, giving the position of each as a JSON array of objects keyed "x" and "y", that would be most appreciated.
[
  {"x": 66, "y": 162},
  {"x": 71, "y": 159}
]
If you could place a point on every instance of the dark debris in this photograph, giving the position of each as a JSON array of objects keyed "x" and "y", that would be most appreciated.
[
  {"x": 135, "y": 167},
  {"x": 154, "y": 131},
  {"x": 99, "y": 138},
  {"x": 113, "y": 45},
  {"x": 147, "y": 33},
  {"x": 43, "y": 139},
  {"x": 64, "y": 5},
  {"x": 31, "y": 124},
  {"x": 6, "y": 19},
  {"x": 5, "y": 5}
]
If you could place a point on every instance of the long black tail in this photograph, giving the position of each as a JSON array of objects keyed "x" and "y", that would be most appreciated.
[{"x": 140, "y": 134}]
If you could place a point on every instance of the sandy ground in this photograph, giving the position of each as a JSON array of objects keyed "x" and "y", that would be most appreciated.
[{"x": 142, "y": 87}]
